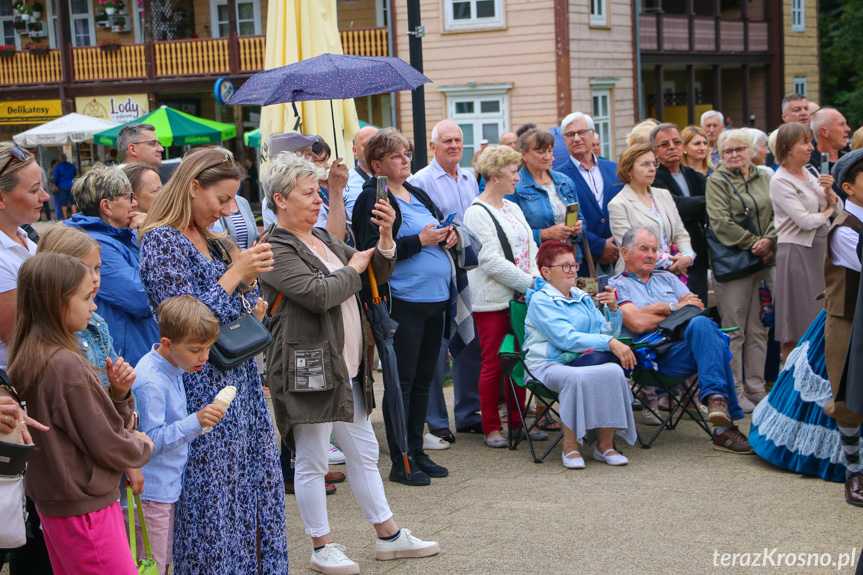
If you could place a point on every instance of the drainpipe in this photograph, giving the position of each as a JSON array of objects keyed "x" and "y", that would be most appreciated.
[
  {"x": 637, "y": 48},
  {"x": 391, "y": 53}
]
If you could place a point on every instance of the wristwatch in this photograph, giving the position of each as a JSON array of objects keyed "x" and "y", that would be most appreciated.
[{"x": 672, "y": 307}]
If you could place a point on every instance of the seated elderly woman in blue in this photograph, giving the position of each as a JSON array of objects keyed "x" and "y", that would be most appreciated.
[{"x": 563, "y": 324}]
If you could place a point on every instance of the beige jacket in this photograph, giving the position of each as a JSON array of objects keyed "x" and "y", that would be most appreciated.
[
  {"x": 626, "y": 212},
  {"x": 797, "y": 207}
]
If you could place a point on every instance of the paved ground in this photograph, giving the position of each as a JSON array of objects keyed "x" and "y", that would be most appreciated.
[{"x": 668, "y": 511}]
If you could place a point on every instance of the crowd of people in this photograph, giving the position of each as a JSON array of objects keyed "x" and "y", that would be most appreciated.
[{"x": 113, "y": 323}]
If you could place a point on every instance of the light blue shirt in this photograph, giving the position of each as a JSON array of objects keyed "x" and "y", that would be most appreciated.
[
  {"x": 450, "y": 196},
  {"x": 352, "y": 191},
  {"x": 161, "y": 400},
  {"x": 425, "y": 276},
  {"x": 662, "y": 287}
]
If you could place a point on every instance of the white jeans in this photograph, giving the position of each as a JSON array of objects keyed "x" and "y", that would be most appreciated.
[{"x": 358, "y": 442}]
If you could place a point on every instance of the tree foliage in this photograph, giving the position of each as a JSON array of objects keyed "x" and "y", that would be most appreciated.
[{"x": 841, "y": 31}]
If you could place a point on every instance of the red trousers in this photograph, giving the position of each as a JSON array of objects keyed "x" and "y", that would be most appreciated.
[{"x": 492, "y": 327}]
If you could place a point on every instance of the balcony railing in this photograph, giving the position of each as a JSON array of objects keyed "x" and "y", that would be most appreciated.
[
  {"x": 365, "y": 41},
  {"x": 666, "y": 33},
  {"x": 173, "y": 59}
]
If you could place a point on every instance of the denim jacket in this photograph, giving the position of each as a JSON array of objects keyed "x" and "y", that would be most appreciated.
[
  {"x": 536, "y": 207},
  {"x": 97, "y": 345}
]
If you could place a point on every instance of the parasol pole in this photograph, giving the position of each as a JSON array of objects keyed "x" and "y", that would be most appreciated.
[{"x": 336, "y": 147}]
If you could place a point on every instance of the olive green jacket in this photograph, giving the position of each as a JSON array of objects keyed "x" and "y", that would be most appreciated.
[
  {"x": 725, "y": 210},
  {"x": 309, "y": 333}
]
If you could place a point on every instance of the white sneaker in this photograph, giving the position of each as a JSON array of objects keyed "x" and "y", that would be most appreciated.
[
  {"x": 610, "y": 459},
  {"x": 331, "y": 560},
  {"x": 335, "y": 455},
  {"x": 573, "y": 462},
  {"x": 649, "y": 418},
  {"x": 434, "y": 442},
  {"x": 406, "y": 545}
]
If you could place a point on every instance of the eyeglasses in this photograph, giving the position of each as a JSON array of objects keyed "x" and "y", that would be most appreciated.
[
  {"x": 130, "y": 194},
  {"x": 654, "y": 163},
  {"x": 581, "y": 134},
  {"x": 228, "y": 159},
  {"x": 565, "y": 268},
  {"x": 153, "y": 143},
  {"x": 15, "y": 153},
  {"x": 406, "y": 157},
  {"x": 732, "y": 151},
  {"x": 666, "y": 144}
]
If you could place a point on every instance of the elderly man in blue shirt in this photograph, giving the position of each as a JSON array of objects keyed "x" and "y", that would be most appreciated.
[
  {"x": 452, "y": 189},
  {"x": 646, "y": 296}
]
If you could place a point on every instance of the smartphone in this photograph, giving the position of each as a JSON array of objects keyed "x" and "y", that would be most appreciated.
[
  {"x": 383, "y": 190},
  {"x": 825, "y": 164},
  {"x": 571, "y": 214},
  {"x": 266, "y": 235},
  {"x": 601, "y": 283},
  {"x": 447, "y": 221}
]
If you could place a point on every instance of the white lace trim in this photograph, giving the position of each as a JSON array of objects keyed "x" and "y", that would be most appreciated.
[
  {"x": 801, "y": 438},
  {"x": 812, "y": 387}
]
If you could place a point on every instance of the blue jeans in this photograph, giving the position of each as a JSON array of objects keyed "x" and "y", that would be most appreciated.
[
  {"x": 703, "y": 351},
  {"x": 465, "y": 376}
]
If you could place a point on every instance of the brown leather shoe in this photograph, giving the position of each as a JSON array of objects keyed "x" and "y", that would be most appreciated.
[
  {"x": 289, "y": 488},
  {"x": 717, "y": 411},
  {"x": 732, "y": 441},
  {"x": 854, "y": 490},
  {"x": 334, "y": 477}
]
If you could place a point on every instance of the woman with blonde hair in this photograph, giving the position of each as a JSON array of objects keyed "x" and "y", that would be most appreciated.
[
  {"x": 696, "y": 150},
  {"x": 640, "y": 133},
  {"x": 233, "y": 475}
]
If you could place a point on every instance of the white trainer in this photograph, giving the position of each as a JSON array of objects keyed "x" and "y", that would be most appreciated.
[
  {"x": 434, "y": 442},
  {"x": 335, "y": 455},
  {"x": 610, "y": 459},
  {"x": 406, "y": 545},
  {"x": 331, "y": 560}
]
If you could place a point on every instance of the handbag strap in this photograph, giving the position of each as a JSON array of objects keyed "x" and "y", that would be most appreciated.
[
  {"x": 591, "y": 267},
  {"x": 746, "y": 209},
  {"x": 501, "y": 236},
  {"x": 148, "y": 551}
]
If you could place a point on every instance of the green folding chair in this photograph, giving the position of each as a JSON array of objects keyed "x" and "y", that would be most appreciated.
[{"x": 511, "y": 357}]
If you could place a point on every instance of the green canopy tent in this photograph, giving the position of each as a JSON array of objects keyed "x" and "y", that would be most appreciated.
[
  {"x": 253, "y": 138},
  {"x": 175, "y": 128}
]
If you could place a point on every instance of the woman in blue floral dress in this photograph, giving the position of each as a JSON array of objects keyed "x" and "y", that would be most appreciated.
[{"x": 233, "y": 498}]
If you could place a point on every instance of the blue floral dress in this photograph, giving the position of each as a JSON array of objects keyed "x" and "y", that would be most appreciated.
[{"x": 232, "y": 486}]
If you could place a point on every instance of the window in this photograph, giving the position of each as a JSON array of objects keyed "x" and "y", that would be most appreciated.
[
  {"x": 473, "y": 14},
  {"x": 7, "y": 29},
  {"x": 801, "y": 86},
  {"x": 81, "y": 16},
  {"x": 481, "y": 112},
  {"x": 248, "y": 17},
  {"x": 602, "y": 120},
  {"x": 798, "y": 16},
  {"x": 597, "y": 13}
]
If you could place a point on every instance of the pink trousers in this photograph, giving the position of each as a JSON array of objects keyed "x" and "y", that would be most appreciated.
[{"x": 91, "y": 544}]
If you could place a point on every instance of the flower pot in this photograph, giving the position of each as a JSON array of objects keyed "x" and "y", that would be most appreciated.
[
  {"x": 109, "y": 10},
  {"x": 103, "y": 24},
  {"x": 39, "y": 51},
  {"x": 36, "y": 16},
  {"x": 7, "y": 54},
  {"x": 116, "y": 28},
  {"x": 110, "y": 48}
]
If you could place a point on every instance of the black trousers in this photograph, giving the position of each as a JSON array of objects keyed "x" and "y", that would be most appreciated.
[{"x": 417, "y": 345}]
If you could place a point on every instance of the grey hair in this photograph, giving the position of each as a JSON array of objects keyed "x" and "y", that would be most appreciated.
[
  {"x": 792, "y": 97},
  {"x": 629, "y": 237},
  {"x": 101, "y": 182},
  {"x": 710, "y": 114},
  {"x": 757, "y": 135},
  {"x": 741, "y": 135},
  {"x": 127, "y": 134},
  {"x": 282, "y": 175},
  {"x": 577, "y": 116},
  {"x": 820, "y": 120},
  {"x": 661, "y": 128},
  {"x": 435, "y": 135}
]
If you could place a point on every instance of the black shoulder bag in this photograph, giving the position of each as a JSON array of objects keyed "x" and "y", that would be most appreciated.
[
  {"x": 727, "y": 262},
  {"x": 501, "y": 236},
  {"x": 241, "y": 339}
]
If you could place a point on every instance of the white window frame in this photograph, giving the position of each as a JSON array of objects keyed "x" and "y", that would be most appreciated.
[
  {"x": 603, "y": 125},
  {"x": 798, "y": 15},
  {"x": 138, "y": 18},
  {"x": 801, "y": 86},
  {"x": 81, "y": 16},
  {"x": 453, "y": 25},
  {"x": 476, "y": 94},
  {"x": 16, "y": 37},
  {"x": 214, "y": 14},
  {"x": 599, "y": 13}
]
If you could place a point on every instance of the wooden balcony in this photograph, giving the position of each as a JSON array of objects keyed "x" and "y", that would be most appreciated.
[
  {"x": 365, "y": 41},
  {"x": 160, "y": 60},
  {"x": 661, "y": 33}
]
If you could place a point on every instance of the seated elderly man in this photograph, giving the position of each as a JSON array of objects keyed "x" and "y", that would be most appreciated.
[{"x": 646, "y": 296}]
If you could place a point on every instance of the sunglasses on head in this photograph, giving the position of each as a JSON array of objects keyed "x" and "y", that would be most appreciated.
[
  {"x": 228, "y": 159},
  {"x": 15, "y": 153}
]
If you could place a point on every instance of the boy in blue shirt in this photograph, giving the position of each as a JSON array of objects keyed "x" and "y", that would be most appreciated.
[{"x": 187, "y": 329}]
